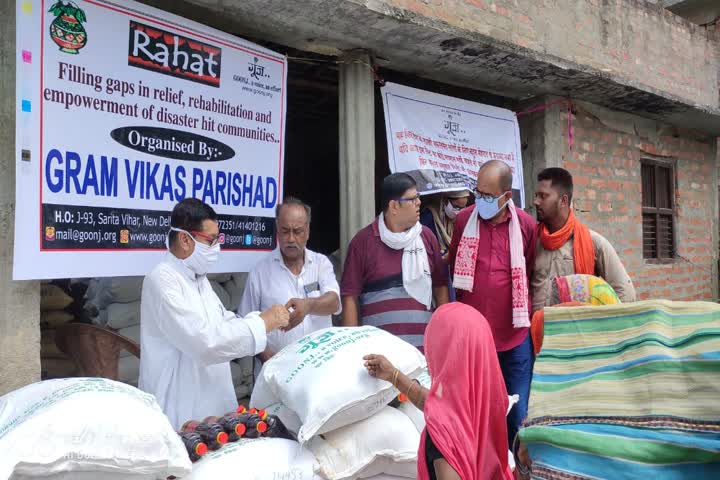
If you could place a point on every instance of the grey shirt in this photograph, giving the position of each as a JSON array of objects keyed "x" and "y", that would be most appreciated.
[{"x": 557, "y": 263}]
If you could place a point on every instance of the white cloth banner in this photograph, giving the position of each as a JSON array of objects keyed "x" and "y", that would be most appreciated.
[
  {"x": 122, "y": 111},
  {"x": 442, "y": 141}
]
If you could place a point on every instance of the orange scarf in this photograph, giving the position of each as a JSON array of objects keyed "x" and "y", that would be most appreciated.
[{"x": 583, "y": 249}]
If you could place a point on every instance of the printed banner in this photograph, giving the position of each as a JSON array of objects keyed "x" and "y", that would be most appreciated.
[
  {"x": 442, "y": 141},
  {"x": 122, "y": 111}
]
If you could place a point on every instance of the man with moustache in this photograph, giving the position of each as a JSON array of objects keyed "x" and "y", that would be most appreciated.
[{"x": 293, "y": 275}]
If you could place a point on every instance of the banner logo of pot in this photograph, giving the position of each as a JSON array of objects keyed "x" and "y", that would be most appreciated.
[
  {"x": 67, "y": 30},
  {"x": 171, "y": 54}
]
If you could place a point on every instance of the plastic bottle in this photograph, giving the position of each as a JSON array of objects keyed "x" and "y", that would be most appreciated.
[
  {"x": 276, "y": 428},
  {"x": 194, "y": 445},
  {"x": 254, "y": 425},
  {"x": 212, "y": 434},
  {"x": 230, "y": 424},
  {"x": 260, "y": 413}
]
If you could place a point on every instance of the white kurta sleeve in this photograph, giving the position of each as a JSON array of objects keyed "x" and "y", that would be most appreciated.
[
  {"x": 328, "y": 280},
  {"x": 184, "y": 324}
]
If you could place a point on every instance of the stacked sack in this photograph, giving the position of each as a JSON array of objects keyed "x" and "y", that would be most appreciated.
[
  {"x": 87, "y": 429},
  {"x": 321, "y": 391},
  {"x": 54, "y": 302},
  {"x": 114, "y": 303}
]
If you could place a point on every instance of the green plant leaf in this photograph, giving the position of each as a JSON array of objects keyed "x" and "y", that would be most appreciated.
[
  {"x": 80, "y": 15},
  {"x": 56, "y": 8}
]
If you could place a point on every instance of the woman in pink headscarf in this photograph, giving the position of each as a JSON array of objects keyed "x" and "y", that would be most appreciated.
[{"x": 466, "y": 432}]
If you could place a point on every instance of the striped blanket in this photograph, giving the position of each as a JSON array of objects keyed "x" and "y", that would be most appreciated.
[{"x": 627, "y": 391}]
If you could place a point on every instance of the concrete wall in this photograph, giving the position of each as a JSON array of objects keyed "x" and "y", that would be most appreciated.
[
  {"x": 628, "y": 55},
  {"x": 605, "y": 163},
  {"x": 633, "y": 39},
  {"x": 19, "y": 301}
]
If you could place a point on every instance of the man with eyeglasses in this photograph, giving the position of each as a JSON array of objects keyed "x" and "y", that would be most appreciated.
[
  {"x": 187, "y": 337},
  {"x": 491, "y": 255},
  {"x": 394, "y": 267},
  {"x": 293, "y": 275}
]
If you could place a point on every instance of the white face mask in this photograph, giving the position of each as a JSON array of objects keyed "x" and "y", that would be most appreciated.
[
  {"x": 451, "y": 211},
  {"x": 488, "y": 210},
  {"x": 203, "y": 257}
]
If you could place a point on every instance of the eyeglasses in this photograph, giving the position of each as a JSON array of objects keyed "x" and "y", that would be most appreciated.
[
  {"x": 416, "y": 198},
  {"x": 486, "y": 197},
  {"x": 213, "y": 240}
]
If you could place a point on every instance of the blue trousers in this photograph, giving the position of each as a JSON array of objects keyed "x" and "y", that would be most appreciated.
[{"x": 516, "y": 365}]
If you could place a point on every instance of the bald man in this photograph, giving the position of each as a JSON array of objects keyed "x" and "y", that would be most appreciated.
[{"x": 483, "y": 266}]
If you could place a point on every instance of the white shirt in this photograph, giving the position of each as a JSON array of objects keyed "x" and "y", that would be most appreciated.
[
  {"x": 271, "y": 282},
  {"x": 187, "y": 340}
]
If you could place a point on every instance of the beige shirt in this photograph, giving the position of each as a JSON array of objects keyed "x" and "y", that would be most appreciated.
[{"x": 557, "y": 263}]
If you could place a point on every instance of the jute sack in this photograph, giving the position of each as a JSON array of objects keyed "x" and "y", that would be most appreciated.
[
  {"x": 53, "y": 297},
  {"x": 55, "y": 318},
  {"x": 48, "y": 347}
]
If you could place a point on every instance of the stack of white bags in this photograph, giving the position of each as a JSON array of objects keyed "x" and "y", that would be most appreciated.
[
  {"x": 321, "y": 391},
  {"x": 319, "y": 388}
]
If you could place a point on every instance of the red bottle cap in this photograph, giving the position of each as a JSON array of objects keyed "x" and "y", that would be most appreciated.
[
  {"x": 262, "y": 414},
  {"x": 201, "y": 449},
  {"x": 241, "y": 409},
  {"x": 253, "y": 410},
  {"x": 222, "y": 438},
  {"x": 262, "y": 427},
  {"x": 240, "y": 429}
]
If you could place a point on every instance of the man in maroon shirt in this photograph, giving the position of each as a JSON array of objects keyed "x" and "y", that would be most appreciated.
[
  {"x": 394, "y": 267},
  {"x": 492, "y": 290}
]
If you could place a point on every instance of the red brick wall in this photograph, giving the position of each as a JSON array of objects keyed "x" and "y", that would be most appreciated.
[{"x": 605, "y": 164}]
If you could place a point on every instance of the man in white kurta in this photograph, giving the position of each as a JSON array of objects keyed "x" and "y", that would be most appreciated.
[{"x": 187, "y": 337}]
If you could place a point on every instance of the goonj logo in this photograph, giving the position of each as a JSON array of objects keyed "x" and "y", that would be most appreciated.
[
  {"x": 67, "y": 30},
  {"x": 171, "y": 54}
]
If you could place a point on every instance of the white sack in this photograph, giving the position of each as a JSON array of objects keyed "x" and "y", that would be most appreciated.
[
  {"x": 122, "y": 315},
  {"x": 287, "y": 417},
  {"x": 90, "y": 425},
  {"x": 257, "y": 459},
  {"x": 384, "y": 443},
  {"x": 322, "y": 377}
]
